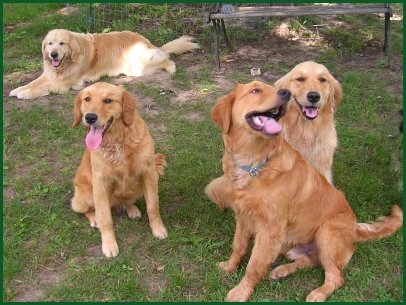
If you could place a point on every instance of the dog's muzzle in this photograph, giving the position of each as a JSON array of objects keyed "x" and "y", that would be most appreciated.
[
  {"x": 56, "y": 62},
  {"x": 267, "y": 121}
]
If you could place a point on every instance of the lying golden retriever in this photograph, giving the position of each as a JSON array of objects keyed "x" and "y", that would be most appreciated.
[
  {"x": 309, "y": 122},
  {"x": 72, "y": 59},
  {"x": 279, "y": 199},
  {"x": 119, "y": 165}
]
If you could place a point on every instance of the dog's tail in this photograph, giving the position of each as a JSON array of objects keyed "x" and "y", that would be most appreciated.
[
  {"x": 160, "y": 163},
  {"x": 382, "y": 227},
  {"x": 181, "y": 45}
]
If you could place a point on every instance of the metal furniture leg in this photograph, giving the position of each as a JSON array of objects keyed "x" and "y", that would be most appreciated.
[
  {"x": 223, "y": 29},
  {"x": 387, "y": 46},
  {"x": 216, "y": 43}
]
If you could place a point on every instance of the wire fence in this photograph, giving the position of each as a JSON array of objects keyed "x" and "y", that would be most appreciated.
[
  {"x": 168, "y": 20},
  {"x": 98, "y": 17}
]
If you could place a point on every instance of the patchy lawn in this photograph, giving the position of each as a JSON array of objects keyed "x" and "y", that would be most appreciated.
[{"x": 51, "y": 253}]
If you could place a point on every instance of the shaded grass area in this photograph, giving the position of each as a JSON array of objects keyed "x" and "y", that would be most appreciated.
[{"x": 53, "y": 252}]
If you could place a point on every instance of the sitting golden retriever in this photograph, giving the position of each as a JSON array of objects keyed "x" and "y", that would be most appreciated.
[
  {"x": 72, "y": 59},
  {"x": 119, "y": 164},
  {"x": 279, "y": 199},
  {"x": 309, "y": 121}
]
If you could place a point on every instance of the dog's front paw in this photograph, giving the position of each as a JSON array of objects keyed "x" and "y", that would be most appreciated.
[
  {"x": 25, "y": 95},
  {"x": 110, "y": 249},
  {"x": 159, "y": 231},
  {"x": 14, "y": 92},
  {"x": 226, "y": 267},
  {"x": 239, "y": 294}
]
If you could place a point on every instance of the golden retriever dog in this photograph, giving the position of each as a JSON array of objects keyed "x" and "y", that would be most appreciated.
[
  {"x": 279, "y": 199},
  {"x": 119, "y": 165},
  {"x": 71, "y": 59},
  {"x": 309, "y": 121}
]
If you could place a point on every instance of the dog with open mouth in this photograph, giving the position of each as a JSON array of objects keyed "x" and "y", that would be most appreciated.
[
  {"x": 70, "y": 59},
  {"x": 119, "y": 165},
  {"x": 309, "y": 122},
  {"x": 279, "y": 199}
]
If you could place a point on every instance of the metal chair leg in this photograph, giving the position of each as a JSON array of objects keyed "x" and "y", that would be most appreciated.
[
  {"x": 223, "y": 29},
  {"x": 387, "y": 45},
  {"x": 216, "y": 44}
]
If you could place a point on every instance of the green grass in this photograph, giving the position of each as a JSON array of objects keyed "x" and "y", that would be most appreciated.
[{"x": 53, "y": 251}]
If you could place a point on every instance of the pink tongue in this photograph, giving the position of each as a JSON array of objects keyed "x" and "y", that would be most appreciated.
[
  {"x": 271, "y": 126},
  {"x": 311, "y": 112},
  {"x": 94, "y": 138},
  {"x": 55, "y": 63}
]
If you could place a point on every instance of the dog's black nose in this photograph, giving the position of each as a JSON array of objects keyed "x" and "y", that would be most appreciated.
[
  {"x": 54, "y": 54},
  {"x": 313, "y": 96},
  {"x": 91, "y": 118},
  {"x": 284, "y": 94}
]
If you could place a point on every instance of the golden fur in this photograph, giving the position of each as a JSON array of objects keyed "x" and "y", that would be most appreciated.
[
  {"x": 315, "y": 139},
  {"x": 289, "y": 209},
  {"x": 85, "y": 58},
  {"x": 122, "y": 169}
]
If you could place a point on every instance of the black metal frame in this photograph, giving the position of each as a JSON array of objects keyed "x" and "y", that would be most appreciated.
[
  {"x": 219, "y": 26},
  {"x": 387, "y": 44}
]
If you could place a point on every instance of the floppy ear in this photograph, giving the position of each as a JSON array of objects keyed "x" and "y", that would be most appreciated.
[
  {"x": 44, "y": 55},
  {"x": 283, "y": 82},
  {"x": 77, "y": 113},
  {"x": 129, "y": 102},
  {"x": 221, "y": 112},
  {"x": 336, "y": 94}
]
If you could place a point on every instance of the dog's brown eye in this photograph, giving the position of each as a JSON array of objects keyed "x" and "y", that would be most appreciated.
[
  {"x": 300, "y": 79},
  {"x": 50, "y": 43},
  {"x": 107, "y": 101},
  {"x": 61, "y": 43},
  {"x": 87, "y": 99},
  {"x": 256, "y": 90},
  {"x": 322, "y": 79}
]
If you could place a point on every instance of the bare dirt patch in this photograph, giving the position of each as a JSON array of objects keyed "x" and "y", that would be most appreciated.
[
  {"x": 34, "y": 290},
  {"x": 172, "y": 206},
  {"x": 8, "y": 193},
  {"x": 187, "y": 97},
  {"x": 155, "y": 281},
  {"x": 223, "y": 82}
]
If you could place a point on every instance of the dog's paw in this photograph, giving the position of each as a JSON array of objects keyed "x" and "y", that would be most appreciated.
[
  {"x": 170, "y": 67},
  {"x": 14, "y": 92},
  {"x": 92, "y": 219},
  {"x": 159, "y": 232},
  {"x": 279, "y": 272},
  {"x": 238, "y": 294},
  {"x": 25, "y": 95},
  {"x": 133, "y": 211},
  {"x": 226, "y": 267},
  {"x": 110, "y": 249},
  {"x": 78, "y": 87},
  {"x": 315, "y": 296}
]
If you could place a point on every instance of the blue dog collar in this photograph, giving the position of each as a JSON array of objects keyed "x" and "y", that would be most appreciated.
[{"x": 253, "y": 171}]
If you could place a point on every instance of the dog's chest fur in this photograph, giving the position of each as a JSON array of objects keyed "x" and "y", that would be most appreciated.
[
  {"x": 113, "y": 153},
  {"x": 124, "y": 176}
]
